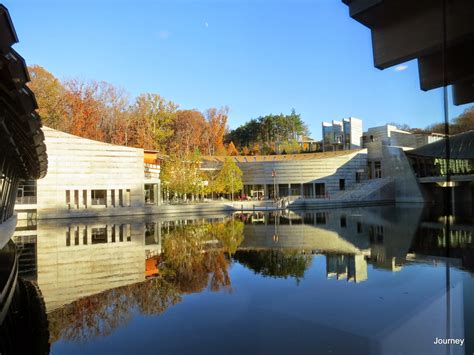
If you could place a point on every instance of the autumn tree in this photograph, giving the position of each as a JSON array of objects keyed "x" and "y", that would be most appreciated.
[
  {"x": 50, "y": 96},
  {"x": 101, "y": 111},
  {"x": 151, "y": 123},
  {"x": 189, "y": 132},
  {"x": 83, "y": 110},
  {"x": 462, "y": 123},
  {"x": 181, "y": 175},
  {"x": 232, "y": 150},
  {"x": 290, "y": 147},
  {"x": 217, "y": 121}
]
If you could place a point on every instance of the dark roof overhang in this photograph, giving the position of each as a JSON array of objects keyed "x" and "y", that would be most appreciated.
[
  {"x": 439, "y": 37},
  {"x": 22, "y": 139}
]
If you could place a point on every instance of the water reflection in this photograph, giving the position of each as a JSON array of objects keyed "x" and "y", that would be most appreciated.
[{"x": 98, "y": 275}]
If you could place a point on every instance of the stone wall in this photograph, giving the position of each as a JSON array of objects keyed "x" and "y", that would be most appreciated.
[
  {"x": 327, "y": 170},
  {"x": 84, "y": 165}
]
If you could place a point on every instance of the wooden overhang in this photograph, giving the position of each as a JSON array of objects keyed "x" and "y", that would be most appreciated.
[
  {"x": 438, "y": 33},
  {"x": 21, "y": 137}
]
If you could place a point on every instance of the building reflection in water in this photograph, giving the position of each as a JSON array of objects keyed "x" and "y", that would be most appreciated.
[{"x": 94, "y": 272}]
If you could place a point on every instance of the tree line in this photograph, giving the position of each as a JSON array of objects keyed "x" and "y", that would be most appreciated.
[
  {"x": 462, "y": 123},
  {"x": 103, "y": 112},
  {"x": 262, "y": 135}
]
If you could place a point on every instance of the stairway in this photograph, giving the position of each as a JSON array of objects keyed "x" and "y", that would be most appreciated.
[{"x": 363, "y": 190}]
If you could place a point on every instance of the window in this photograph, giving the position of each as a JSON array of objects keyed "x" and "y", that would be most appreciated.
[
  {"x": 84, "y": 236},
  {"x": 84, "y": 198},
  {"x": 76, "y": 236},
  {"x": 359, "y": 227},
  {"x": 112, "y": 197},
  {"x": 76, "y": 198},
  {"x": 68, "y": 198},
  {"x": 342, "y": 184},
  {"x": 120, "y": 196},
  {"x": 68, "y": 237},
  {"x": 113, "y": 234},
  {"x": 99, "y": 235},
  {"x": 378, "y": 169},
  {"x": 320, "y": 218},
  {"x": 98, "y": 197},
  {"x": 26, "y": 192},
  {"x": 343, "y": 221},
  {"x": 320, "y": 190}
]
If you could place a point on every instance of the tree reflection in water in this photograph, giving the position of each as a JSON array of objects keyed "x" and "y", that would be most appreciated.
[
  {"x": 194, "y": 257},
  {"x": 275, "y": 263},
  {"x": 197, "y": 256},
  {"x": 100, "y": 314}
]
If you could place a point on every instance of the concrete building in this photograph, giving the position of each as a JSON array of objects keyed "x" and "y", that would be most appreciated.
[
  {"x": 342, "y": 135},
  {"x": 312, "y": 175},
  {"x": 391, "y": 135},
  {"x": 90, "y": 178}
]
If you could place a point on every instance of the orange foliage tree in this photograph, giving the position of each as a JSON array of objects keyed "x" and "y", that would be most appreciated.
[{"x": 101, "y": 111}]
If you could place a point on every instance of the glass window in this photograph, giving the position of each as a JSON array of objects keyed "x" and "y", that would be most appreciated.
[{"x": 98, "y": 197}]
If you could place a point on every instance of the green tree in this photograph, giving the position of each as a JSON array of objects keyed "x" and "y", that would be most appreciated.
[
  {"x": 181, "y": 175},
  {"x": 152, "y": 118},
  {"x": 229, "y": 178},
  {"x": 265, "y": 132},
  {"x": 290, "y": 147}
]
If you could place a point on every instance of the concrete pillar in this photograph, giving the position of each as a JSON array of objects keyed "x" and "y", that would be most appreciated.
[
  {"x": 109, "y": 233},
  {"x": 289, "y": 189},
  {"x": 108, "y": 202},
  {"x": 156, "y": 194},
  {"x": 265, "y": 191},
  {"x": 81, "y": 199}
]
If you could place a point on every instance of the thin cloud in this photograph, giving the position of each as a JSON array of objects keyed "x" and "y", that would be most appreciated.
[
  {"x": 401, "y": 67},
  {"x": 164, "y": 34},
  {"x": 206, "y": 24}
]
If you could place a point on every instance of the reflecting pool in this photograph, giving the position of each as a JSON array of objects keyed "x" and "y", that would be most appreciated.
[{"x": 373, "y": 280}]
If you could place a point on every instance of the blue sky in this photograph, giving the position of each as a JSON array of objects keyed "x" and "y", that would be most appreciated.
[{"x": 257, "y": 57}]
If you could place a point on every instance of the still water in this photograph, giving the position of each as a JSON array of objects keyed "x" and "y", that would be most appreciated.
[{"x": 372, "y": 280}]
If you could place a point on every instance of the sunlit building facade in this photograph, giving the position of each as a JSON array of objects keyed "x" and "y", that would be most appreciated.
[
  {"x": 89, "y": 178},
  {"x": 342, "y": 135}
]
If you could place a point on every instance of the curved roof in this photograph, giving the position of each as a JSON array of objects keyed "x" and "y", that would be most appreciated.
[
  {"x": 279, "y": 157},
  {"x": 21, "y": 138},
  {"x": 461, "y": 146}
]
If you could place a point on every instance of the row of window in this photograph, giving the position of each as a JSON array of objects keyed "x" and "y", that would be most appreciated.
[
  {"x": 83, "y": 235},
  {"x": 84, "y": 198}
]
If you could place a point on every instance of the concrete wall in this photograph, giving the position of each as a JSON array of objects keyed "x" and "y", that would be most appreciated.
[
  {"x": 395, "y": 164},
  {"x": 82, "y": 164},
  {"x": 326, "y": 170}
]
